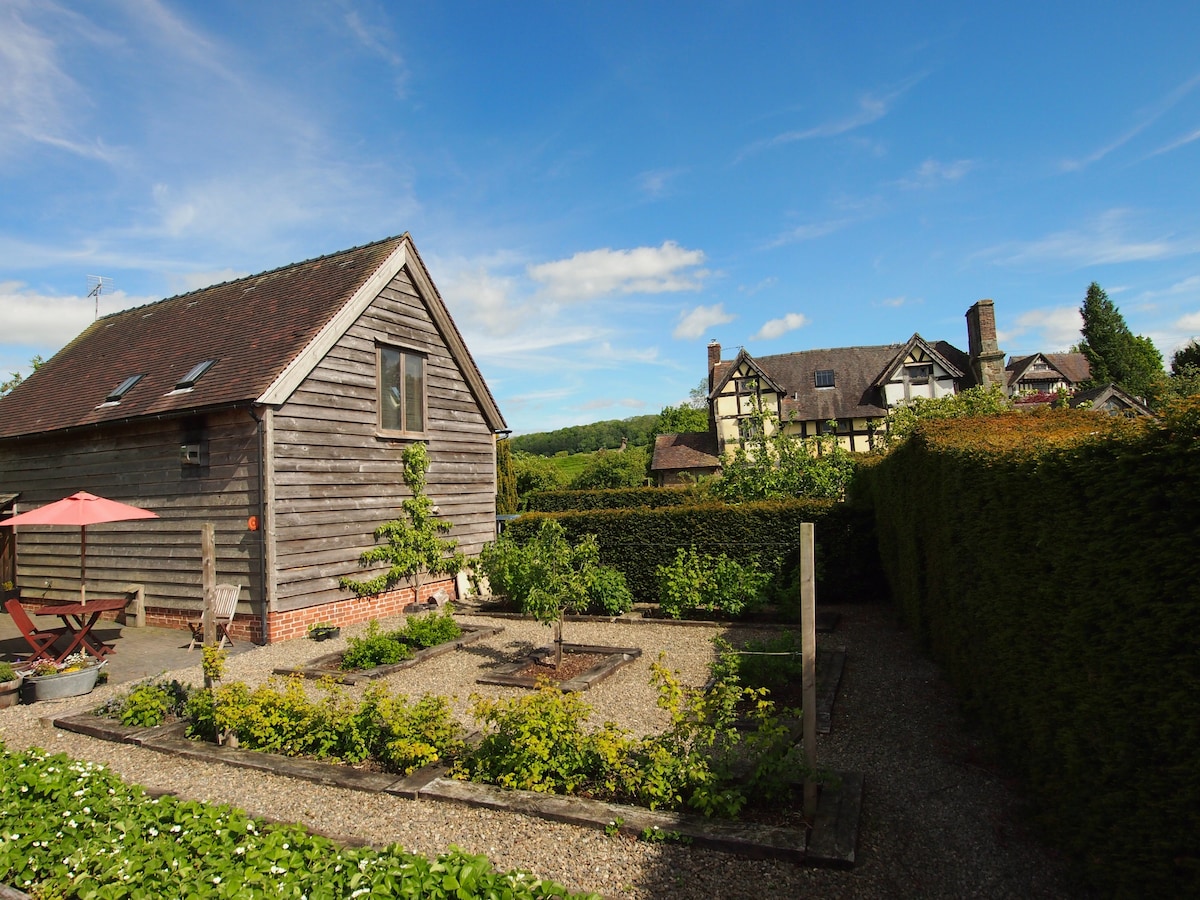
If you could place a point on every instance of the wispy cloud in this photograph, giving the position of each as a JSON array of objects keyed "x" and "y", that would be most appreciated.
[
  {"x": 896, "y": 302},
  {"x": 1046, "y": 330},
  {"x": 933, "y": 173},
  {"x": 765, "y": 284},
  {"x": 656, "y": 183},
  {"x": 693, "y": 323},
  {"x": 1148, "y": 118},
  {"x": 1176, "y": 144},
  {"x": 1102, "y": 241},
  {"x": 379, "y": 39},
  {"x": 778, "y": 327},
  {"x": 38, "y": 98},
  {"x": 642, "y": 270},
  {"x": 809, "y": 232},
  {"x": 871, "y": 108}
]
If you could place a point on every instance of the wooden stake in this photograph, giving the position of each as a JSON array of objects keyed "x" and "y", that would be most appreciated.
[
  {"x": 808, "y": 649},
  {"x": 208, "y": 579}
]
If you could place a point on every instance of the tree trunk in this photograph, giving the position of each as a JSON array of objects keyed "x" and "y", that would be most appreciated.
[{"x": 558, "y": 641}]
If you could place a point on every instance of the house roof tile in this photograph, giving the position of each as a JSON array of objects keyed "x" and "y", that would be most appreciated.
[{"x": 690, "y": 450}]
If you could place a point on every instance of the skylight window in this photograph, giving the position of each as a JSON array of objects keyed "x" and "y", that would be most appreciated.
[
  {"x": 824, "y": 377},
  {"x": 115, "y": 395},
  {"x": 188, "y": 381}
]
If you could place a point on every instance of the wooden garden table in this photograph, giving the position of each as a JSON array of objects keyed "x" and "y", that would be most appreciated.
[{"x": 80, "y": 618}]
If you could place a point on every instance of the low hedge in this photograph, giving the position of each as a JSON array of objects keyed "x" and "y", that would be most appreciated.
[
  {"x": 611, "y": 498},
  {"x": 637, "y": 541},
  {"x": 1048, "y": 562}
]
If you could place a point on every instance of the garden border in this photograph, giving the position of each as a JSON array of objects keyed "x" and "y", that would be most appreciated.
[
  {"x": 470, "y": 634},
  {"x": 832, "y": 840},
  {"x": 615, "y": 658}
]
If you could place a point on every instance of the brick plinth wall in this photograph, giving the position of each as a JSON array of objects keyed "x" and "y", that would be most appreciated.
[{"x": 285, "y": 625}]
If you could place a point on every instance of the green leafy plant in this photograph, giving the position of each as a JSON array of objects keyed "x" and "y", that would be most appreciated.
[
  {"x": 74, "y": 829},
  {"x": 411, "y": 546},
  {"x": 148, "y": 703},
  {"x": 613, "y": 828},
  {"x": 695, "y": 582},
  {"x": 656, "y": 835},
  {"x": 431, "y": 629},
  {"x": 375, "y": 648},
  {"x": 7, "y": 672}
]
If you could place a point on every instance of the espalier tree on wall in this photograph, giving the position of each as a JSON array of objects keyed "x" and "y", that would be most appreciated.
[{"x": 411, "y": 545}]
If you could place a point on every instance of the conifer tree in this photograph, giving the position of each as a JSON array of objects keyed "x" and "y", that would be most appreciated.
[
  {"x": 506, "y": 480},
  {"x": 1114, "y": 352}
]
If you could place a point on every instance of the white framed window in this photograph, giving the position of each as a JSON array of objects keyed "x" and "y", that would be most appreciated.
[{"x": 401, "y": 378}]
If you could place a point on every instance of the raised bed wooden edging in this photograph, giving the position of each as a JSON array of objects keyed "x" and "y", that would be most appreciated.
[
  {"x": 615, "y": 658},
  {"x": 831, "y": 841},
  {"x": 315, "y": 670}
]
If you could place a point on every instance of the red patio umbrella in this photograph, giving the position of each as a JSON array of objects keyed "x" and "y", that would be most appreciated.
[{"x": 82, "y": 509}]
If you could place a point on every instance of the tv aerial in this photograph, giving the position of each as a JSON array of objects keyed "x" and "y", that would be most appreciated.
[{"x": 97, "y": 285}]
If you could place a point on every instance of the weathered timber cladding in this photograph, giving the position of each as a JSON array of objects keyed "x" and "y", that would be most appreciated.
[
  {"x": 335, "y": 480},
  {"x": 139, "y": 463}
]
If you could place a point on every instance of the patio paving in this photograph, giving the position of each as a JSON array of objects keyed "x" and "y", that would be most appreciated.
[{"x": 140, "y": 653}]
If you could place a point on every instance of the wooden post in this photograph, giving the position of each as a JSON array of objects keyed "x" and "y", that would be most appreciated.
[
  {"x": 808, "y": 648},
  {"x": 208, "y": 579}
]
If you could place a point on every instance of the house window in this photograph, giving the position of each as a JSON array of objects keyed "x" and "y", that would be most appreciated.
[
  {"x": 824, "y": 378},
  {"x": 115, "y": 395},
  {"x": 401, "y": 391},
  {"x": 920, "y": 374},
  {"x": 188, "y": 381}
]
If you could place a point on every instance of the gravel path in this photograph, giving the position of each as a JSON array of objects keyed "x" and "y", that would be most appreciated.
[{"x": 936, "y": 822}]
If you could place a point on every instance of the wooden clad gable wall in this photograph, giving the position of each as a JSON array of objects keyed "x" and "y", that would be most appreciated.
[
  {"x": 335, "y": 480},
  {"x": 139, "y": 463}
]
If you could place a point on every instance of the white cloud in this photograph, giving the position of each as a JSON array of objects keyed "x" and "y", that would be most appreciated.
[
  {"x": 482, "y": 300},
  {"x": 46, "y": 322},
  {"x": 894, "y": 302},
  {"x": 932, "y": 173},
  {"x": 763, "y": 285},
  {"x": 1101, "y": 242},
  {"x": 1189, "y": 323},
  {"x": 1045, "y": 330},
  {"x": 642, "y": 270},
  {"x": 781, "y": 326},
  {"x": 693, "y": 324}
]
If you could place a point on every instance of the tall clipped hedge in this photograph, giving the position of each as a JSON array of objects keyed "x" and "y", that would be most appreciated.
[
  {"x": 638, "y": 540},
  {"x": 1049, "y": 563},
  {"x": 611, "y": 498}
]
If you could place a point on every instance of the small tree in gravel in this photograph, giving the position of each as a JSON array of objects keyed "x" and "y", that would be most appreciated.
[
  {"x": 546, "y": 577},
  {"x": 412, "y": 545}
]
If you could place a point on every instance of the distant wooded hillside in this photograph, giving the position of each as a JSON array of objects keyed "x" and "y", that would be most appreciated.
[{"x": 587, "y": 438}]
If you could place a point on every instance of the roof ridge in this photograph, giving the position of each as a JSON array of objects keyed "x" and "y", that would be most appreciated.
[{"x": 218, "y": 284}]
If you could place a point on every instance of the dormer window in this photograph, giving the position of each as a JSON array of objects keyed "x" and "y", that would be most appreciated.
[
  {"x": 188, "y": 381},
  {"x": 115, "y": 395},
  {"x": 824, "y": 378}
]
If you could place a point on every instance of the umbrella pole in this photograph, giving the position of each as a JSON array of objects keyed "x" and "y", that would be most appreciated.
[{"x": 82, "y": 565}]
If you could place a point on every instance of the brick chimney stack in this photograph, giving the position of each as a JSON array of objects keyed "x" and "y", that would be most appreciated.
[
  {"x": 714, "y": 357},
  {"x": 987, "y": 359}
]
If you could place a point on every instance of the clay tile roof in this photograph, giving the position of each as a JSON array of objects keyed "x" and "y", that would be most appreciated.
[
  {"x": 1074, "y": 365},
  {"x": 692, "y": 450},
  {"x": 253, "y": 327},
  {"x": 854, "y": 372}
]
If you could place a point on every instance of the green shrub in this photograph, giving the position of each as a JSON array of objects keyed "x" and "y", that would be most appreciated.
[
  {"x": 7, "y": 672},
  {"x": 429, "y": 630},
  {"x": 148, "y": 704},
  {"x": 703, "y": 762},
  {"x": 546, "y": 573},
  {"x": 694, "y": 582},
  {"x": 83, "y": 833},
  {"x": 612, "y": 498},
  {"x": 374, "y": 649}
]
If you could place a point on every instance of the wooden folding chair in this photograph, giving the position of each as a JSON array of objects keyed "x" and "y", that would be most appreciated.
[
  {"x": 40, "y": 639},
  {"x": 225, "y": 598}
]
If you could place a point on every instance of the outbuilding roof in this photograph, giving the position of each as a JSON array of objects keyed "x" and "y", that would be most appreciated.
[{"x": 258, "y": 336}]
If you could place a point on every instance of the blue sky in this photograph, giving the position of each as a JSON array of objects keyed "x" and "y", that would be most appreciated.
[{"x": 599, "y": 189}]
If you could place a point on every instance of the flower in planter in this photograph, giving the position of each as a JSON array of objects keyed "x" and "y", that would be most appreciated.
[{"x": 73, "y": 663}]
